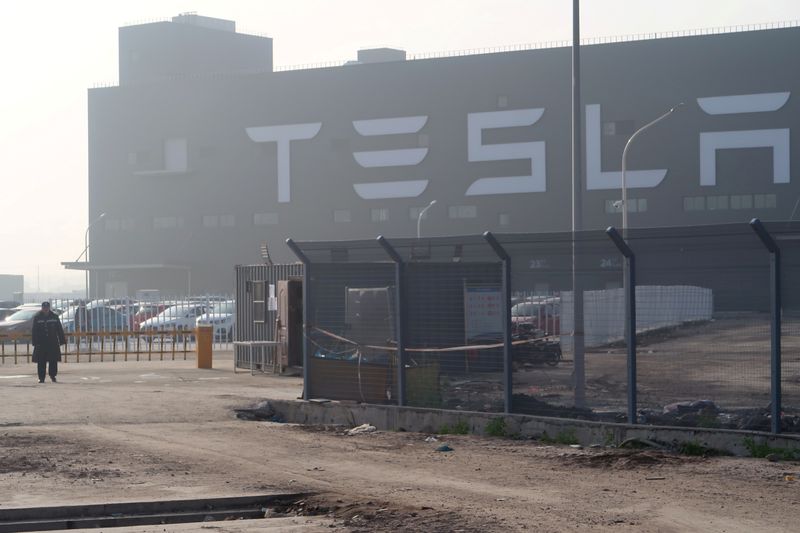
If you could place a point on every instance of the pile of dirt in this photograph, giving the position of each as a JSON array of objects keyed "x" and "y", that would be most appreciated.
[
  {"x": 627, "y": 459},
  {"x": 369, "y": 516}
]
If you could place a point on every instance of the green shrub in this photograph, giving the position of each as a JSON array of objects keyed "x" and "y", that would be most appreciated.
[
  {"x": 761, "y": 450},
  {"x": 496, "y": 427},
  {"x": 563, "y": 437}
]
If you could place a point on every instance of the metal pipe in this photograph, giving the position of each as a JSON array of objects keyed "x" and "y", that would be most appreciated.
[
  {"x": 775, "y": 322},
  {"x": 630, "y": 317},
  {"x": 399, "y": 310},
  {"x": 506, "y": 317}
]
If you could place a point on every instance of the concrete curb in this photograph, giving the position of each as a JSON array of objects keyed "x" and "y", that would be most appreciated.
[{"x": 393, "y": 418}]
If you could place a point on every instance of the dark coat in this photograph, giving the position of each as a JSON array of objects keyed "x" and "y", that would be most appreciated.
[{"x": 48, "y": 336}]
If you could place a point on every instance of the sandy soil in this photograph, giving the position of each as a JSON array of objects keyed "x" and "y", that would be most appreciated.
[{"x": 126, "y": 431}]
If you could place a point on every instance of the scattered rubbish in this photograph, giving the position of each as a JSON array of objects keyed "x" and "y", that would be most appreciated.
[
  {"x": 576, "y": 446},
  {"x": 444, "y": 448},
  {"x": 363, "y": 428},
  {"x": 500, "y": 499},
  {"x": 773, "y": 458},
  {"x": 654, "y": 478},
  {"x": 431, "y": 439},
  {"x": 790, "y": 477},
  {"x": 595, "y": 446}
]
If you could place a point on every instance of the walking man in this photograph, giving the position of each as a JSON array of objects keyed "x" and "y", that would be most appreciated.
[{"x": 48, "y": 336}]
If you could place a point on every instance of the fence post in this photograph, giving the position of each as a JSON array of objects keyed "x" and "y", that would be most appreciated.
[
  {"x": 306, "y": 312},
  {"x": 630, "y": 317},
  {"x": 399, "y": 309},
  {"x": 775, "y": 322},
  {"x": 507, "y": 346}
]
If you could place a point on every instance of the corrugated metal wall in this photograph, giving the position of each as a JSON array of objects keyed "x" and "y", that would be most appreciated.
[{"x": 247, "y": 329}]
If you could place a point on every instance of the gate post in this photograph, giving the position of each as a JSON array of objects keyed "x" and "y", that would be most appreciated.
[
  {"x": 507, "y": 346},
  {"x": 306, "y": 309},
  {"x": 630, "y": 317},
  {"x": 775, "y": 321},
  {"x": 399, "y": 309}
]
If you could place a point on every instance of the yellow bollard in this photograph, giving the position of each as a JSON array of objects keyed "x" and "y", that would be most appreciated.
[{"x": 205, "y": 336}]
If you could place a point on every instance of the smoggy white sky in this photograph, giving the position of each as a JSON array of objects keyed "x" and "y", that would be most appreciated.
[{"x": 51, "y": 51}]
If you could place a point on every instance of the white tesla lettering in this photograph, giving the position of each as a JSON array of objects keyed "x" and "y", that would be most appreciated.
[
  {"x": 596, "y": 179},
  {"x": 536, "y": 181},
  {"x": 283, "y": 135},
  {"x": 402, "y": 157},
  {"x": 777, "y": 139},
  {"x": 743, "y": 103}
]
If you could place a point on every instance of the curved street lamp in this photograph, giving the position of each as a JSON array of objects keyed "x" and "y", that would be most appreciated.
[
  {"x": 625, "y": 160},
  {"x": 421, "y": 213}
]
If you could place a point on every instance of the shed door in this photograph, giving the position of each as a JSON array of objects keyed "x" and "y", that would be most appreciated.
[{"x": 290, "y": 316}]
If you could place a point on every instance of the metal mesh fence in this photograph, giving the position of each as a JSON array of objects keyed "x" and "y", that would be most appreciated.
[
  {"x": 428, "y": 323},
  {"x": 703, "y": 327}
]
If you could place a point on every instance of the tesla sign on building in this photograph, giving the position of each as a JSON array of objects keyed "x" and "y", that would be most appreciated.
[{"x": 203, "y": 152}]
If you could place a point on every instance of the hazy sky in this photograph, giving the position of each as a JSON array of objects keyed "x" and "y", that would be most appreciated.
[{"x": 52, "y": 51}]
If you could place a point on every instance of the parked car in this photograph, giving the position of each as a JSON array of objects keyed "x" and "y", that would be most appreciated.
[
  {"x": 7, "y": 307},
  {"x": 145, "y": 311},
  {"x": 20, "y": 321},
  {"x": 179, "y": 316},
  {"x": 222, "y": 316},
  {"x": 95, "y": 319},
  {"x": 542, "y": 314}
]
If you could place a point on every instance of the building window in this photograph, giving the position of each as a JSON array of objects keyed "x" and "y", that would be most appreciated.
[
  {"x": 462, "y": 211},
  {"x": 635, "y": 205},
  {"x": 694, "y": 203},
  {"x": 765, "y": 201},
  {"x": 741, "y": 201},
  {"x": 619, "y": 127},
  {"x": 265, "y": 219},
  {"x": 380, "y": 214},
  {"x": 175, "y": 155},
  {"x": 210, "y": 221},
  {"x": 167, "y": 222},
  {"x": 413, "y": 213},
  {"x": 227, "y": 221},
  {"x": 505, "y": 219},
  {"x": 717, "y": 203},
  {"x": 259, "y": 301},
  {"x": 341, "y": 215}
]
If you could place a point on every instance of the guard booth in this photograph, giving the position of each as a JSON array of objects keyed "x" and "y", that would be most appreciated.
[{"x": 268, "y": 335}]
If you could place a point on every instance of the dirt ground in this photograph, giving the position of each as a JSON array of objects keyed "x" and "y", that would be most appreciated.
[{"x": 110, "y": 432}]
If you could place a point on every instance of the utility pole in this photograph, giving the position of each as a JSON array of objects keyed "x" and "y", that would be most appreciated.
[{"x": 579, "y": 369}]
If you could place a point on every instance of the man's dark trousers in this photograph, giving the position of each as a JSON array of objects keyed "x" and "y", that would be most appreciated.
[{"x": 42, "y": 367}]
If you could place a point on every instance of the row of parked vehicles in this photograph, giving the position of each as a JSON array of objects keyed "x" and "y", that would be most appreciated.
[{"x": 112, "y": 315}]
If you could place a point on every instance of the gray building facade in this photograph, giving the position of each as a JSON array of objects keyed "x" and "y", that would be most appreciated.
[{"x": 199, "y": 158}]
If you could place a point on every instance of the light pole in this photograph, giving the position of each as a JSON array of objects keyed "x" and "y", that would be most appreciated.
[
  {"x": 624, "y": 164},
  {"x": 86, "y": 251},
  {"x": 421, "y": 213}
]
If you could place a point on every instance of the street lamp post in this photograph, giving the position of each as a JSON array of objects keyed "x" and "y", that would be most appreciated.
[
  {"x": 625, "y": 161},
  {"x": 86, "y": 251},
  {"x": 421, "y": 213}
]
